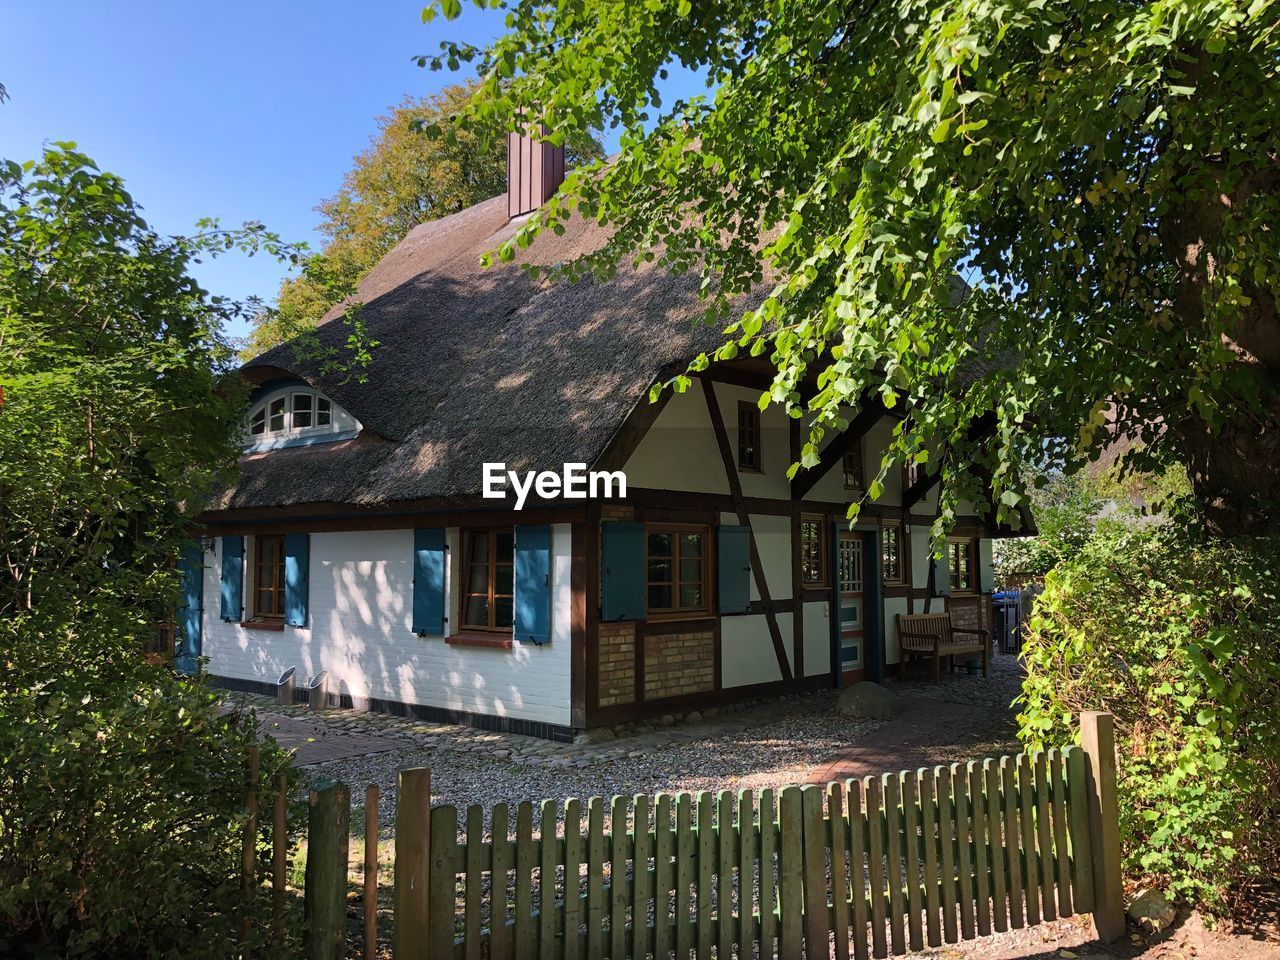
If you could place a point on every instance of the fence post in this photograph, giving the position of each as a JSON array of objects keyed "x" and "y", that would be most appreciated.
[
  {"x": 371, "y": 871},
  {"x": 1098, "y": 739},
  {"x": 412, "y": 863},
  {"x": 325, "y": 893},
  {"x": 249, "y": 855}
]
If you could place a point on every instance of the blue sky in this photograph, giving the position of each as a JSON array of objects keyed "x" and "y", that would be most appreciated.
[{"x": 236, "y": 110}]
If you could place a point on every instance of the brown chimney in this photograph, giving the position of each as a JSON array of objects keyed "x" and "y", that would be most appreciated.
[{"x": 535, "y": 171}]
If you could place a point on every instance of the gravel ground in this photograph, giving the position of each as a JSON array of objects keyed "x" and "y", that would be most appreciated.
[{"x": 747, "y": 755}]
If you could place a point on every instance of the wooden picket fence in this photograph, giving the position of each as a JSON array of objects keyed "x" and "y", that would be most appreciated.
[{"x": 868, "y": 868}]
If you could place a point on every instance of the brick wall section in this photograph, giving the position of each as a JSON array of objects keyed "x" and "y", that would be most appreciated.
[
  {"x": 971, "y": 613},
  {"x": 679, "y": 664},
  {"x": 617, "y": 664}
]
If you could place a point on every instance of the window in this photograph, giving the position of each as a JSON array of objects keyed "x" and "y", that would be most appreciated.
[
  {"x": 302, "y": 411},
  {"x": 160, "y": 645},
  {"x": 489, "y": 557},
  {"x": 910, "y": 474},
  {"x": 853, "y": 477},
  {"x": 891, "y": 553},
  {"x": 275, "y": 415},
  {"x": 292, "y": 413},
  {"x": 813, "y": 552},
  {"x": 676, "y": 562},
  {"x": 749, "y": 436},
  {"x": 960, "y": 565},
  {"x": 268, "y": 577}
]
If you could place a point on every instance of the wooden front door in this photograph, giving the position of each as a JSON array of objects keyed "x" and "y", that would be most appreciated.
[{"x": 851, "y": 597}]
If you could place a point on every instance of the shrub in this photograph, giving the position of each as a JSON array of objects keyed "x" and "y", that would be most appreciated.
[
  {"x": 121, "y": 790},
  {"x": 122, "y": 809},
  {"x": 1180, "y": 640}
]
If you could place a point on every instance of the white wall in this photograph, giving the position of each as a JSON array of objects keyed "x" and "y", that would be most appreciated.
[
  {"x": 892, "y": 607},
  {"x": 747, "y": 655},
  {"x": 679, "y": 452},
  {"x": 360, "y": 611},
  {"x": 817, "y": 638}
]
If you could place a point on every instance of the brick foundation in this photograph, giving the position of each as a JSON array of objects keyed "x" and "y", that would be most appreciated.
[
  {"x": 679, "y": 664},
  {"x": 617, "y": 664}
]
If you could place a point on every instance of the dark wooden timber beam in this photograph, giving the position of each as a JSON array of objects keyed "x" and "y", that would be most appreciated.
[
  {"x": 980, "y": 429},
  {"x": 744, "y": 520},
  {"x": 736, "y": 377},
  {"x": 870, "y": 412}
]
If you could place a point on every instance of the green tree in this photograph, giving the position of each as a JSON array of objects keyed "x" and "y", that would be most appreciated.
[
  {"x": 121, "y": 789},
  {"x": 1102, "y": 171},
  {"x": 403, "y": 179}
]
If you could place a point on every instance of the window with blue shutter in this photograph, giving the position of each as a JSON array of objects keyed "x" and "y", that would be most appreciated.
[
  {"x": 733, "y": 574},
  {"x": 297, "y": 578},
  {"x": 232, "y": 578},
  {"x": 533, "y": 584},
  {"x": 190, "y": 614},
  {"x": 428, "y": 581},
  {"x": 622, "y": 568}
]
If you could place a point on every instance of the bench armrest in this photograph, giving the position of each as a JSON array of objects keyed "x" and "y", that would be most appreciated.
[{"x": 977, "y": 632}]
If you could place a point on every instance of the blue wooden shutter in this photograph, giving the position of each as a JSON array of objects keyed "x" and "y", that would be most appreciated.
[
  {"x": 733, "y": 571},
  {"x": 190, "y": 614},
  {"x": 622, "y": 559},
  {"x": 533, "y": 584},
  {"x": 232, "y": 577},
  {"x": 297, "y": 577},
  {"x": 428, "y": 581}
]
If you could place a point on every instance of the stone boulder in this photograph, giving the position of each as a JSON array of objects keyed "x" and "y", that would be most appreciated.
[
  {"x": 1152, "y": 911},
  {"x": 867, "y": 699}
]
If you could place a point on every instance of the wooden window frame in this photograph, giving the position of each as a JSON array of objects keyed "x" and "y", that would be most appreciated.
[
  {"x": 752, "y": 429},
  {"x": 967, "y": 543},
  {"x": 276, "y": 586},
  {"x": 884, "y": 576},
  {"x": 465, "y": 593},
  {"x": 677, "y": 612},
  {"x": 824, "y": 553}
]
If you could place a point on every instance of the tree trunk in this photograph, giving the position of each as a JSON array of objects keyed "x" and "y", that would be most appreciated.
[{"x": 1235, "y": 472}]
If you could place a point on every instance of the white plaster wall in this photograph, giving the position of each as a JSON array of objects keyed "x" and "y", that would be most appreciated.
[
  {"x": 986, "y": 564},
  {"x": 679, "y": 452},
  {"x": 747, "y": 655},
  {"x": 773, "y": 540},
  {"x": 359, "y": 629},
  {"x": 817, "y": 638},
  {"x": 892, "y": 648},
  {"x": 921, "y": 556}
]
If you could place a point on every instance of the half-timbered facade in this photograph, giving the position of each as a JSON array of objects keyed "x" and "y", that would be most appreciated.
[{"x": 356, "y": 540}]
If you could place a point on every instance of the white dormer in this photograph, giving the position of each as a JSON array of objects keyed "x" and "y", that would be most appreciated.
[{"x": 295, "y": 415}]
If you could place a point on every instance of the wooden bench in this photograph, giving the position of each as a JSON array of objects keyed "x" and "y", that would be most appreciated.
[{"x": 932, "y": 635}]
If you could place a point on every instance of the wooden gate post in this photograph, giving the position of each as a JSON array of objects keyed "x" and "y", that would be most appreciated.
[
  {"x": 1098, "y": 738},
  {"x": 325, "y": 893},
  {"x": 412, "y": 864}
]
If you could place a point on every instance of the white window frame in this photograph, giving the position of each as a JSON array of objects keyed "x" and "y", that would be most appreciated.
[{"x": 338, "y": 425}]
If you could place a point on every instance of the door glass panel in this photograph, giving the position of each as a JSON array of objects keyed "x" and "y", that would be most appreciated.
[
  {"x": 850, "y": 566},
  {"x": 851, "y": 615}
]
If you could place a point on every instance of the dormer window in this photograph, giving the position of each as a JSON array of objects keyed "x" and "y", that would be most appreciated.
[{"x": 296, "y": 415}]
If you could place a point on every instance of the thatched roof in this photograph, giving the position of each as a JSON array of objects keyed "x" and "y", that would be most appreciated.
[{"x": 477, "y": 365}]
